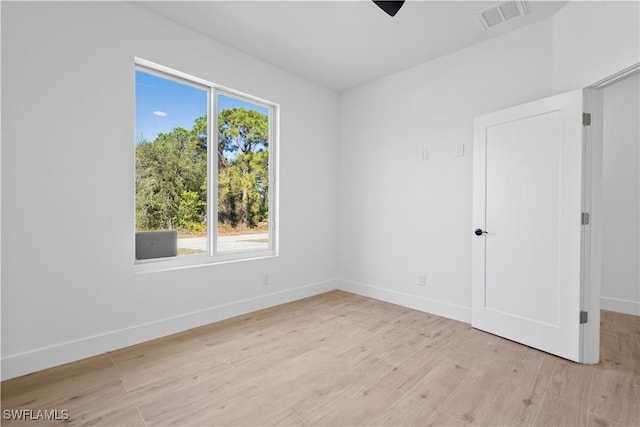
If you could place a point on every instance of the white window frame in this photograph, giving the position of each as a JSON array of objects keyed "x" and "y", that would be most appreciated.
[{"x": 212, "y": 256}]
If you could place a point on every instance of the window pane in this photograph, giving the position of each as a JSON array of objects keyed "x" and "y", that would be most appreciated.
[
  {"x": 171, "y": 166},
  {"x": 243, "y": 175}
]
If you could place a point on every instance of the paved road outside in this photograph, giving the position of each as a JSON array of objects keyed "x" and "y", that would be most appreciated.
[{"x": 227, "y": 243}]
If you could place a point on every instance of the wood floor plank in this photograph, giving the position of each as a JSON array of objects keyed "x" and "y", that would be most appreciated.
[
  {"x": 519, "y": 401},
  {"x": 331, "y": 387},
  {"x": 196, "y": 399},
  {"x": 440, "y": 419},
  {"x": 473, "y": 397},
  {"x": 374, "y": 321},
  {"x": 269, "y": 361},
  {"x": 361, "y": 407},
  {"x": 566, "y": 399},
  {"x": 393, "y": 346},
  {"x": 418, "y": 404},
  {"x": 113, "y": 416},
  {"x": 77, "y": 375},
  {"x": 487, "y": 346},
  {"x": 608, "y": 321},
  {"x": 245, "y": 347},
  {"x": 310, "y": 388},
  {"x": 596, "y": 421},
  {"x": 334, "y": 337},
  {"x": 297, "y": 381},
  {"x": 313, "y": 362},
  {"x": 102, "y": 403},
  {"x": 613, "y": 397},
  {"x": 404, "y": 376},
  {"x": 141, "y": 368},
  {"x": 260, "y": 416}
]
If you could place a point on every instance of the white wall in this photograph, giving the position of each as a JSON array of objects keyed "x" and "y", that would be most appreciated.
[
  {"x": 69, "y": 289},
  {"x": 593, "y": 40},
  {"x": 400, "y": 217},
  {"x": 621, "y": 197}
]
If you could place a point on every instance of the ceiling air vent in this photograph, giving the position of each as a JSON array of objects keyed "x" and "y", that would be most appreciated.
[{"x": 501, "y": 12}]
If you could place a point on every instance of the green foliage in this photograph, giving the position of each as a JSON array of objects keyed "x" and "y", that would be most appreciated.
[
  {"x": 191, "y": 211},
  {"x": 243, "y": 177},
  {"x": 243, "y": 189},
  {"x": 242, "y": 130},
  {"x": 171, "y": 174},
  {"x": 165, "y": 168}
]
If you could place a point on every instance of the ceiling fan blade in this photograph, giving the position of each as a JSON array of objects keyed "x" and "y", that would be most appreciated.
[{"x": 391, "y": 7}]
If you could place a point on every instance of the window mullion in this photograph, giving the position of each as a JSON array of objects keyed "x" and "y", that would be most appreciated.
[{"x": 212, "y": 147}]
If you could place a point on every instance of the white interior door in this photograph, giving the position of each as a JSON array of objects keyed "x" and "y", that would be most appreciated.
[{"x": 527, "y": 263}]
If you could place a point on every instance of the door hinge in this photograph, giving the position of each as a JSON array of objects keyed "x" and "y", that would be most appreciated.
[
  {"x": 586, "y": 119},
  {"x": 584, "y": 219},
  {"x": 584, "y": 317}
]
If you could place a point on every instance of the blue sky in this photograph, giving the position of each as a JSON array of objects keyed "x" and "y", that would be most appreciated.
[{"x": 163, "y": 104}]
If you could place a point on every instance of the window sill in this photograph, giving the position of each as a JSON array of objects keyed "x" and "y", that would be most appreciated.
[{"x": 194, "y": 261}]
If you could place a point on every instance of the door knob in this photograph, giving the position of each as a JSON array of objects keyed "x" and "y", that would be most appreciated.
[{"x": 479, "y": 232}]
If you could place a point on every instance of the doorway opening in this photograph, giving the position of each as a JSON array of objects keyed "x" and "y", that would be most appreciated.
[
  {"x": 612, "y": 271},
  {"x": 620, "y": 289}
]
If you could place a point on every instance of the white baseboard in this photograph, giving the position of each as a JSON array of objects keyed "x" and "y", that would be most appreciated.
[
  {"x": 24, "y": 363},
  {"x": 440, "y": 308},
  {"x": 620, "y": 305}
]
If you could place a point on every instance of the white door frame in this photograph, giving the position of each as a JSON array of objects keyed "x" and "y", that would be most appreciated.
[{"x": 592, "y": 200}]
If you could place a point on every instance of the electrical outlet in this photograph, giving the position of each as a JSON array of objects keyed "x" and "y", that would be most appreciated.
[
  {"x": 422, "y": 280},
  {"x": 423, "y": 154},
  {"x": 265, "y": 280}
]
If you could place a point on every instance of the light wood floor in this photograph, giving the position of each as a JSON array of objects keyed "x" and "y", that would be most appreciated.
[{"x": 341, "y": 359}]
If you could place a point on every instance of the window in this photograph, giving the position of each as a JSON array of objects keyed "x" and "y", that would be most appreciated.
[{"x": 205, "y": 186}]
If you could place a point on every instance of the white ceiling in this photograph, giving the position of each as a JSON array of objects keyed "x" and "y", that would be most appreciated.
[{"x": 342, "y": 44}]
